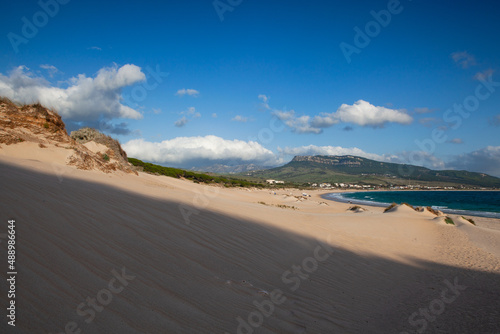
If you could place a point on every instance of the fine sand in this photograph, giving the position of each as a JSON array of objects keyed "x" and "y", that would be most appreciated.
[{"x": 194, "y": 258}]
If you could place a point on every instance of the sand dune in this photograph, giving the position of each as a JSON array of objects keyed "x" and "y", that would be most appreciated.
[{"x": 192, "y": 258}]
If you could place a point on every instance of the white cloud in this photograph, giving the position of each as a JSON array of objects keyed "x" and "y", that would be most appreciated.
[
  {"x": 365, "y": 114},
  {"x": 299, "y": 124},
  {"x": 485, "y": 160},
  {"x": 191, "y": 111},
  {"x": 263, "y": 98},
  {"x": 214, "y": 115},
  {"x": 463, "y": 59},
  {"x": 199, "y": 151},
  {"x": 361, "y": 113},
  {"x": 181, "y": 122},
  {"x": 51, "y": 69},
  {"x": 190, "y": 92},
  {"x": 85, "y": 99},
  {"x": 481, "y": 76},
  {"x": 95, "y": 48},
  {"x": 325, "y": 120},
  {"x": 239, "y": 118}
]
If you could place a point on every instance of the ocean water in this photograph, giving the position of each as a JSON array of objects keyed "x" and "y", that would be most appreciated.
[{"x": 475, "y": 203}]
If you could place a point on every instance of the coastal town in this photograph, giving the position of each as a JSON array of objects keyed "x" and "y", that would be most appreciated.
[{"x": 336, "y": 185}]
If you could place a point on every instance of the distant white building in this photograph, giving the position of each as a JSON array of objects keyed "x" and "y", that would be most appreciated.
[{"x": 275, "y": 182}]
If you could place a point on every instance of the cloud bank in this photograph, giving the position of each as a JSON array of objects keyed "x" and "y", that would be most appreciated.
[
  {"x": 485, "y": 160},
  {"x": 200, "y": 151}
]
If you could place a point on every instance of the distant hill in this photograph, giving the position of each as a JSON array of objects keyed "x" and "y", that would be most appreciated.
[
  {"x": 349, "y": 169},
  {"x": 225, "y": 169}
]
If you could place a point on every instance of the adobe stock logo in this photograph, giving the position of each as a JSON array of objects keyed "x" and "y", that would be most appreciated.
[
  {"x": 372, "y": 29},
  {"x": 29, "y": 29},
  {"x": 222, "y": 6}
]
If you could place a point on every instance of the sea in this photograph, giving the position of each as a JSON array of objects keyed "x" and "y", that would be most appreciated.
[{"x": 473, "y": 203}]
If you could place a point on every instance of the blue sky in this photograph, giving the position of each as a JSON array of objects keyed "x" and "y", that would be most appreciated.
[{"x": 194, "y": 83}]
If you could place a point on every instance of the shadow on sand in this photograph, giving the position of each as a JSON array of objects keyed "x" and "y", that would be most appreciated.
[{"x": 214, "y": 275}]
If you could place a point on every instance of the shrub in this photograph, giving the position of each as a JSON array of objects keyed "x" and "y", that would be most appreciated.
[
  {"x": 393, "y": 205},
  {"x": 283, "y": 206},
  {"x": 354, "y": 208},
  {"x": 433, "y": 211},
  {"x": 195, "y": 177},
  {"x": 408, "y": 205},
  {"x": 105, "y": 157},
  {"x": 448, "y": 220},
  {"x": 46, "y": 125},
  {"x": 470, "y": 220}
]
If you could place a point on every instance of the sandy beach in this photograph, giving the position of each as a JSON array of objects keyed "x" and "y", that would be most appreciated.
[{"x": 123, "y": 253}]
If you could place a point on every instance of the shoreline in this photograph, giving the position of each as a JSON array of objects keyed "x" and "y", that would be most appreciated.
[{"x": 373, "y": 203}]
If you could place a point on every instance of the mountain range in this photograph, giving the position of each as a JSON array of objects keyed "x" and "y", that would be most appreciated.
[{"x": 353, "y": 169}]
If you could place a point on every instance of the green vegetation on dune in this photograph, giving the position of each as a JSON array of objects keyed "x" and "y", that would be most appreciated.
[
  {"x": 470, "y": 220},
  {"x": 196, "y": 177},
  {"x": 390, "y": 207}
]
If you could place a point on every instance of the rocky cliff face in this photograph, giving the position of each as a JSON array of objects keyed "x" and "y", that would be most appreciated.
[
  {"x": 35, "y": 123},
  {"x": 85, "y": 135},
  {"x": 30, "y": 123}
]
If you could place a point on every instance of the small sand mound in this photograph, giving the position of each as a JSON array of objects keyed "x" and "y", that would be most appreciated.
[
  {"x": 466, "y": 221},
  {"x": 407, "y": 208},
  {"x": 401, "y": 208},
  {"x": 356, "y": 209},
  {"x": 444, "y": 220}
]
